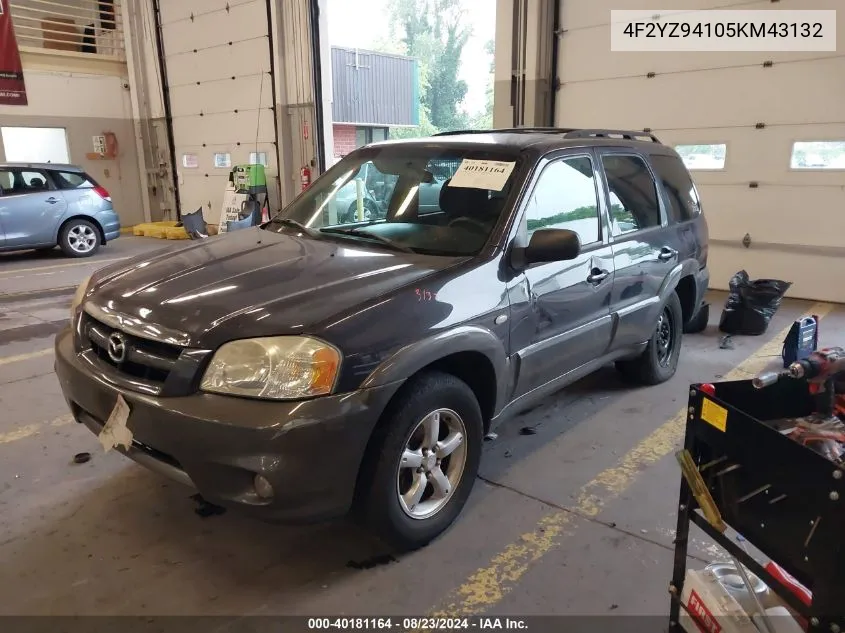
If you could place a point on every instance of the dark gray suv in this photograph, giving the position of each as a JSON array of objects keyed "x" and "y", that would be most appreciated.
[{"x": 319, "y": 364}]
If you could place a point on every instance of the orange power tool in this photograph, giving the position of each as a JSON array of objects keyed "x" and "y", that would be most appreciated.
[{"x": 824, "y": 371}]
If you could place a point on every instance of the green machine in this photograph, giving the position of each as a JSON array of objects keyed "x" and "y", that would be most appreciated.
[{"x": 250, "y": 180}]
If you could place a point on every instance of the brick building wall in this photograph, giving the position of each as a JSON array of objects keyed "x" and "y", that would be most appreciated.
[{"x": 344, "y": 139}]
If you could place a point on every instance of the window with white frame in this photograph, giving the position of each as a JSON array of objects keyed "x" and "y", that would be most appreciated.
[
  {"x": 35, "y": 144},
  {"x": 703, "y": 156},
  {"x": 818, "y": 155},
  {"x": 222, "y": 160}
]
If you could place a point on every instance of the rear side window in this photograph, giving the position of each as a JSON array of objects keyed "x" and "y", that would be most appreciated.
[
  {"x": 684, "y": 203},
  {"x": 72, "y": 180},
  {"x": 18, "y": 181},
  {"x": 633, "y": 195}
]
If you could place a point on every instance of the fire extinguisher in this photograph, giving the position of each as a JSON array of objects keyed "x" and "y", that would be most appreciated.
[{"x": 305, "y": 177}]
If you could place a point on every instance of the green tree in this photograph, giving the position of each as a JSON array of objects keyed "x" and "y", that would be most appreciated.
[{"x": 432, "y": 31}]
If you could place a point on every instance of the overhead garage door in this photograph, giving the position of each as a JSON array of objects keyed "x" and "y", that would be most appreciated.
[
  {"x": 217, "y": 58},
  {"x": 754, "y": 111}
]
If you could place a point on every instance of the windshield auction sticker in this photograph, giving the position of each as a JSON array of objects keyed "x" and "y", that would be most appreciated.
[{"x": 482, "y": 174}]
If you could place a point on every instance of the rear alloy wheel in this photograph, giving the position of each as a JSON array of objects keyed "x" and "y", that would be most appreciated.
[
  {"x": 422, "y": 461},
  {"x": 79, "y": 238},
  {"x": 659, "y": 361}
]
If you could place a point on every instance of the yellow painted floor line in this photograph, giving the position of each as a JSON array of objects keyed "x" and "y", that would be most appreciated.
[
  {"x": 71, "y": 264},
  {"x": 29, "y": 430},
  {"x": 28, "y": 356},
  {"x": 490, "y": 584}
]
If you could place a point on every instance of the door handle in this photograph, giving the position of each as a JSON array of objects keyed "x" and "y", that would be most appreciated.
[
  {"x": 666, "y": 254},
  {"x": 597, "y": 276},
  {"x": 52, "y": 200}
]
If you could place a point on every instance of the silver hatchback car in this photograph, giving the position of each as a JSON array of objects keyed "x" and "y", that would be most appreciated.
[{"x": 47, "y": 205}]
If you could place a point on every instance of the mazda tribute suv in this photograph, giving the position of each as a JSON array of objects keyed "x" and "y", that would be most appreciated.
[{"x": 322, "y": 364}]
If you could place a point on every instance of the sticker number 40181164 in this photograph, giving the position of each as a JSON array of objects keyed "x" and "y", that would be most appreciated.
[{"x": 482, "y": 174}]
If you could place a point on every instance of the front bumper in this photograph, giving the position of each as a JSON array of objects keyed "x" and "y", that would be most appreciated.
[{"x": 309, "y": 451}]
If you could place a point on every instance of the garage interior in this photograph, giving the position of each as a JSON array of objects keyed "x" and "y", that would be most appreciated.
[{"x": 575, "y": 507}]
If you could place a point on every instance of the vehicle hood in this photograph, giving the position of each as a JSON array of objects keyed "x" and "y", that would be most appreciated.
[{"x": 255, "y": 283}]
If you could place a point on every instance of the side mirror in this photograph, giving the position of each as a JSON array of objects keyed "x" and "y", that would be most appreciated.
[{"x": 552, "y": 245}]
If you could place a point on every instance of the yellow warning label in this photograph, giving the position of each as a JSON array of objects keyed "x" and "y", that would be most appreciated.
[{"x": 714, "y": 415}]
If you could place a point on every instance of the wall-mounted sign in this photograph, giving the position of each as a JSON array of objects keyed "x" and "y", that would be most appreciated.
[
  {"x": 99, "y": 144},
  {"x": 12, "y": 87}
]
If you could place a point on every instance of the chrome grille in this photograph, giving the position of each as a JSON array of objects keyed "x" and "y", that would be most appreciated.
[{"x": 132, "y": 356}]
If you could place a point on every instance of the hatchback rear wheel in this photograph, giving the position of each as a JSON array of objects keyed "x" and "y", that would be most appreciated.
[{"x": 79, "y": 238}]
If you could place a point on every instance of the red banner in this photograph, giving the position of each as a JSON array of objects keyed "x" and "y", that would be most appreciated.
[{"x": 12, "y": 88}]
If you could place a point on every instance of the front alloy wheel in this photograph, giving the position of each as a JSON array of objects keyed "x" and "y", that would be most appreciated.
[
  {"x": 432, "y": 464},
  {"x": 421, "y": 462}
]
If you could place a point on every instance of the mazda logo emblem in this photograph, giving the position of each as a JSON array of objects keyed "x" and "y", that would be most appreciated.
[{"x": 117, "y": 347}]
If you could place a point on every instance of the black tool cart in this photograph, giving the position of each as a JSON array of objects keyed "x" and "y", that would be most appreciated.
[{"x": 784, "y": 498}]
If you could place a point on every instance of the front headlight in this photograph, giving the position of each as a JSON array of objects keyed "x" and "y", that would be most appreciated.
[
  {"x": 79, "y": 296},
  {"x": 276, "y": 368}
]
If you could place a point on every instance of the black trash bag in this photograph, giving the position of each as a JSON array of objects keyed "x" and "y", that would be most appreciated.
[{"x": 751, "y": 304}]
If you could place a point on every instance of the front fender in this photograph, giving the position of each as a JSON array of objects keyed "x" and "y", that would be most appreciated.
[{"x": 466, "y": 338}]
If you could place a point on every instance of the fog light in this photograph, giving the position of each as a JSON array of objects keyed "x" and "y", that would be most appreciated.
[{"x": 263, "y": 488}]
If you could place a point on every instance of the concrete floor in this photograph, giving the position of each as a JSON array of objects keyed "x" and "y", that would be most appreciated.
[{"x": 575, "y": 519}]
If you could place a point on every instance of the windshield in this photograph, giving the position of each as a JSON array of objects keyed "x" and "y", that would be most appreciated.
[{"x": 436, "y": 200}]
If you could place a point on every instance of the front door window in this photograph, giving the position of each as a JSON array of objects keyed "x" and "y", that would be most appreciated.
[{"x": 565, "y": 198}]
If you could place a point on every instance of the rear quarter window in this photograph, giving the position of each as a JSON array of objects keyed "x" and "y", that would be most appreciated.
[
  {"x": 72, "y": 180},
  {"x": 684, "y": 203}
]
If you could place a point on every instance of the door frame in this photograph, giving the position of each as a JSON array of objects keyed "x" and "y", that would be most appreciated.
[
  {"x": 519, "y": 238},
  {"x": 658, "y": 189}
]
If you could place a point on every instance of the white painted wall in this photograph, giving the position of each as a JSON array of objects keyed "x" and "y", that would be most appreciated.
[
  {"x": 73, "y": 95},
  {"x": 86, "y": 105},
  {"x": 701, "y": 97},
  {"x": 794, "y": 218}
]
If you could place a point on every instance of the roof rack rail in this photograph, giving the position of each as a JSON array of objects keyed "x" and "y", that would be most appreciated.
[
  {"x": 509, "y": 130},
  {"x": 571, "y": 133},
  {"x": 628, "y": 135}
]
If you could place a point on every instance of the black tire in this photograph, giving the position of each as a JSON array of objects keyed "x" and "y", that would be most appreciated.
[
  {"x": 352, "y": 211},
  {"x": 657, "y": 364},
  {"x": 79, "y": 238},
  {"x": 378, "y": 503},
  {"x": 699, "y": 322}
]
